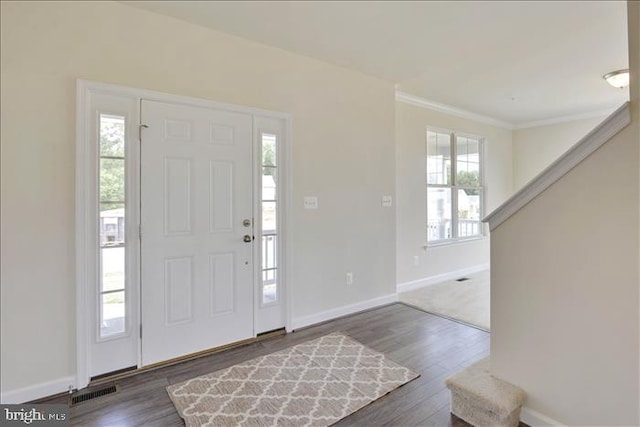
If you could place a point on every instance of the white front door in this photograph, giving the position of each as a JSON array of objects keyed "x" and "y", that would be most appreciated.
[{"x": 197, "y": 229}]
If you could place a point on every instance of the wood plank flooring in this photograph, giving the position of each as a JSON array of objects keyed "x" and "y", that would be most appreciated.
[{"x": 425, "y": 343}]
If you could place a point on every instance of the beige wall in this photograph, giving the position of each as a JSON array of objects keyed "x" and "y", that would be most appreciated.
[
  {"x": 565, "y": 284},
  {"x": 343, "y": 152},
  {"x": 536, "y": 148},
  {"x": 411, "y": 124}
]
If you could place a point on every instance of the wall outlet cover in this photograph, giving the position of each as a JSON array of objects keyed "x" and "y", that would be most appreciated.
[
  {"x": 311, "y": 202},
  {"x": 349, "y": 279}
]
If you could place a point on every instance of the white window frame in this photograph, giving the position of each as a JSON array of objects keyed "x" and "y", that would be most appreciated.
[
  {"x": 86, "y": 209},
  {"x": 453, "y": 135},
  {"x": 260, "y": 201},
  {"x": 267, "y": 315},
  {"x": 131, "y": 245},
  {"x": 92, "y": 100}
]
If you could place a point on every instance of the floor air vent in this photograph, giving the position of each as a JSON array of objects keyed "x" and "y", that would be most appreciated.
[
  {"x": 92, "y": 392},
  {"x": 462, "y": 279}
]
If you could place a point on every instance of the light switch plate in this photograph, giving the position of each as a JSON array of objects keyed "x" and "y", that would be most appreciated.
[
  {"x": 311, "y": 202},
  {"x": 387, "y": 201}
]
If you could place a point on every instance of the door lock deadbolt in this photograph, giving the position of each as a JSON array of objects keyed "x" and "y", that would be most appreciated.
[{"x": 246, "y": 222}]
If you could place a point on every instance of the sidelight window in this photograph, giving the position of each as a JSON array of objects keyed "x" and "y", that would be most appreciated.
[
  {"x": 113, "y": 289},
  {"x": 269, "y": 213}
]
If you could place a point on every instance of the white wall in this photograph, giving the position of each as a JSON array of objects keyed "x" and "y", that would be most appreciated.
[
  {"x": 411, "y": 125},
  {"x": 343, "y": 152},
  {"x": 565, "y": 298},
  {"x": 536, "y": 148}
]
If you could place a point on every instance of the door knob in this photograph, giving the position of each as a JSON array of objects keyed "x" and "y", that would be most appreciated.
[{"x": 247, "y": 238}]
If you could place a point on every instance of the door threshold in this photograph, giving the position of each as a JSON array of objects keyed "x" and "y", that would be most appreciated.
[
  {"x": 130, "y": 372},
  {"x": 111, "y": 374},
  {"x": 272, "y": 333}
]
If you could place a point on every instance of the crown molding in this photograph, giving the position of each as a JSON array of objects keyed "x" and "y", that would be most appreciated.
[
  {"x": 562, "y": 119},
  {"x": 418, "y": 101},
  {"x": 602, "y": 133}
]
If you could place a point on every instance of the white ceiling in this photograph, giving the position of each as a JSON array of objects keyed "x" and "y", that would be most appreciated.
[{"x": 516, "y": 61}]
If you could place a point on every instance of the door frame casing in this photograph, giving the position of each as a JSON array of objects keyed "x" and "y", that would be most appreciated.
[{"x": 85, "y": 178}]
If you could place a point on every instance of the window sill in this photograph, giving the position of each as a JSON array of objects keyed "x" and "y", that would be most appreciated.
[{"x": 452, "y": 242}]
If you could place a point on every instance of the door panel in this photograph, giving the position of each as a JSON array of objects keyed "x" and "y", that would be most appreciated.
[
  {"x": 197, "y": 270},
  {"x": 221, "y": 268},
  {"x": 178, "y": 291},
  {"x": 177, "y": 196}
]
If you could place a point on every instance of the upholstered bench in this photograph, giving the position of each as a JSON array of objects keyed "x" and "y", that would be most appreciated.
[{"x": 482, "y": 400}]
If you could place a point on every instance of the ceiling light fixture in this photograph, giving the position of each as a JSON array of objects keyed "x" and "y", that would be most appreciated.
[{"x": 619, "y": 79}]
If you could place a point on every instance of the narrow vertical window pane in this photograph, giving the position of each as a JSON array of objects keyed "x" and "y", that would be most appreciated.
[
  {"x": 269, "y": 268},
  {"x": 269, "y": 180},
  {"x": 269, "y": 224},
  {"x": 469, "y": 213},
  {"x": 439, "y": 214},
  {"x": 438, "y": 158},
  {"x": 112, "y": 261},
  {"x": 467, "y": 162},
  {"x": 111, "y": 225},
  {"x": 269, "y": 151},
  {"x": 112, "y": 180},
  {"x": 111, "y": 136},
  {"x": 269, "y": 259},
  {"x": 112, "y": 321}
]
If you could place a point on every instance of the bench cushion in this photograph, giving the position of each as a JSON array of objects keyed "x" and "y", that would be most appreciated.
[{"x": 476, "y": 386}]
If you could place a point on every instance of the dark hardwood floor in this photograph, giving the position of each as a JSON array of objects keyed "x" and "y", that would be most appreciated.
[{"x": 433, "y": 346}]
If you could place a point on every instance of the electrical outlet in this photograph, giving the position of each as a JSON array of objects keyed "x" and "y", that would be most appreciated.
[{"x": 349, "y": 279}]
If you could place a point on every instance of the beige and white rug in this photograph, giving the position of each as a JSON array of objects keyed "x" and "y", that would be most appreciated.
[
  {"x": 467, "y": 301},
  {"x": 315, "y": 383}
]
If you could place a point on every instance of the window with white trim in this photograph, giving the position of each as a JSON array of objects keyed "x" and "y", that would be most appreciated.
[
  {"x": 112, "y": 243},
  {"x": 455, "y": 190},
  {"x": 269, "y": 212}
]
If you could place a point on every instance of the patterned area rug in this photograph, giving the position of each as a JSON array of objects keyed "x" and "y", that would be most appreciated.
[{"x": 315, "y": 383}]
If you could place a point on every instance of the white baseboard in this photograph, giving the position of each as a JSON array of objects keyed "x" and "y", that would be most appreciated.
[
  {"x": 37, "y": 391},
  {"x": 432, "y": 280},
  {"x": 536, "y": 419},
  {"x": 323, "y": 316}
]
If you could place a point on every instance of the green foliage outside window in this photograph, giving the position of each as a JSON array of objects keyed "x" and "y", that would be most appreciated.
[
  {"x": 112, "y": 179},
  {"x": 469, "y": 179}
]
